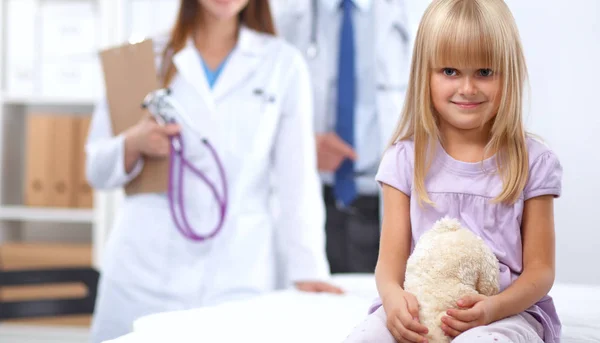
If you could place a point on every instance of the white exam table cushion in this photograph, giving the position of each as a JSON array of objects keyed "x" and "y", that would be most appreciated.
[{"x": 291, "y": 316}]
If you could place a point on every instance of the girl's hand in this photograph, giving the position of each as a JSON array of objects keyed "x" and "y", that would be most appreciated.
[
  {"x": 318, "y": 287},
  {"x": 474, "y": 310},
  {"x": 402, "y": 310}
]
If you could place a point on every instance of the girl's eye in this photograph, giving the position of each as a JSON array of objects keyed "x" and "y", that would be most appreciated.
[
  {"x": 486, "y": 72},
  {"x": 449, "y": 71}
]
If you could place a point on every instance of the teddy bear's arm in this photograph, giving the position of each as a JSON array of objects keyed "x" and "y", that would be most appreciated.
[{"x": 489, "y": 274}]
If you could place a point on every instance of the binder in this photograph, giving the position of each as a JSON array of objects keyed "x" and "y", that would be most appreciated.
[
  {"x": 84, "y": 196},
  {"x": 129, "y": 75},
  {"x": 61, "y": 171},
  {"x": 38, "y": 157}
]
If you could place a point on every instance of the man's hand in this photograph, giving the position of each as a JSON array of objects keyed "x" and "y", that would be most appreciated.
[
  {"x": 318, "y": 287},
  {"x": 332, "y": 151},
  {"x": 474, "y": 310}
]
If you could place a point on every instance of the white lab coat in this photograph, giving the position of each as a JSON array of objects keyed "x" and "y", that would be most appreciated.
[
  {"x": 266, "y": 143},
  {"x": 395, "y": 22}
]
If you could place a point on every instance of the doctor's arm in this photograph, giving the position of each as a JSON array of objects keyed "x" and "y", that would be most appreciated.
[
  {"x": 301, "y": 212},
  {"x": 113, "y": 161}
]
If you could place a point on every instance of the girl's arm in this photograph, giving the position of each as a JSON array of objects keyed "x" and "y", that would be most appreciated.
[
  {"x": 395, "y": 241},
  {"x": 537, "y": 232},
  {"x": 538, "y": 260}
]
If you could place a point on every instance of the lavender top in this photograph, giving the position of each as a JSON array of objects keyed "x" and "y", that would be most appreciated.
[{"x": 464, "y": 190}]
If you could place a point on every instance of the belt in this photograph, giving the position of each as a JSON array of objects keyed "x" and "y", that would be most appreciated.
[{"x": 367, "y": 205}]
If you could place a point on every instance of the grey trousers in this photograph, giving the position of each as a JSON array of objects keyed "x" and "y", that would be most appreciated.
[{"x": 352, "y": 234}]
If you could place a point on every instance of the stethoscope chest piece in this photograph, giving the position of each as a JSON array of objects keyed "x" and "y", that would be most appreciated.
[{"x": 312, "y": 51}]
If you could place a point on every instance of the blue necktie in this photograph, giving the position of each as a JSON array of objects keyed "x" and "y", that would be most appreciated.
[{"x": 345, "y": 187}]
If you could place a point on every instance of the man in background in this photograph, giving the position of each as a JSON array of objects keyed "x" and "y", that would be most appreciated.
[{"x": 358, "y": 53}]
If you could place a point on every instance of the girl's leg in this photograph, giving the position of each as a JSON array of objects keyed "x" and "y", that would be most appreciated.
[
  {"x": 372, "y": 329},
  {"x": 522, "y": 328}
]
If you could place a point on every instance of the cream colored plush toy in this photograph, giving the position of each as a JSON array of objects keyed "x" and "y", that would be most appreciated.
[{"x": 448, "y": 262}]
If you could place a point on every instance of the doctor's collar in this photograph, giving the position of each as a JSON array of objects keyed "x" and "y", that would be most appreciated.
[
  {"x": 363, "y": 5},
  {"x": 249, "y": 42}
]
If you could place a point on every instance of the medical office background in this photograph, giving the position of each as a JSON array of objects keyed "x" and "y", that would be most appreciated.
[{"x": 50, "y": 78}]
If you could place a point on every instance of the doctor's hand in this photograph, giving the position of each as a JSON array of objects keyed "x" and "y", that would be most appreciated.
[
  {"x": 150, "y": 139},
  {"x": 318, "y": 287},
  {"x": 332, "y": 151}
]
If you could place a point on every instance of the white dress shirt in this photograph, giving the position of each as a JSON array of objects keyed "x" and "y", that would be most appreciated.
[{"x": 366, "y": 131}]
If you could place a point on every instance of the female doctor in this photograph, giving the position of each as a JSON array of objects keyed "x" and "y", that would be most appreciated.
[{"x": 248, "y": 93}]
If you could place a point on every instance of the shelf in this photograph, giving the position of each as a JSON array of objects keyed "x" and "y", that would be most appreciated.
[
  {"x": 29, "y": 93},
  {"x": 40, "y": 214},
  {"x": 41, "y": 100},
  {"x": 13, "y": 333}
]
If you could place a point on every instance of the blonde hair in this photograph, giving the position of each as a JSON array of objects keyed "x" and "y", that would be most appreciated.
[{"x": 467, "y": 33}]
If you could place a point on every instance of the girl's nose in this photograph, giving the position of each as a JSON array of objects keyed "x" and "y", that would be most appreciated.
[{"x": 467, "y": 87}]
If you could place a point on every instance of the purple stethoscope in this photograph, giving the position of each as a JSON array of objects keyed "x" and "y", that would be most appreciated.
[{"x": 165, "y": 109}]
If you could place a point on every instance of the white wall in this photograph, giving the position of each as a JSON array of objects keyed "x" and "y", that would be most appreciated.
[{"x": 562, "y": 45}]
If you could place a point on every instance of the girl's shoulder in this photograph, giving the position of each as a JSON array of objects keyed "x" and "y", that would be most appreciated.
[
  {"x": 402, "y": 151},
  {"x": 545, "y": 169},
  {"x": 537, "y": 148},
  {"x": 406, "y": 145},
  {"x": 396, "y": 167}
]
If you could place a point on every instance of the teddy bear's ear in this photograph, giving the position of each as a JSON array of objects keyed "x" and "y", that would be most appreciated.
[{"x": 447, "y": 224}]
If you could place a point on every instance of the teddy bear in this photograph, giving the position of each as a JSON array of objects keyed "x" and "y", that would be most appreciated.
[{"x": 447, "y": 263}]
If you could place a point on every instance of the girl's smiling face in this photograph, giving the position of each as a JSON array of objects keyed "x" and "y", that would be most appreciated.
[{"x": 465, "y": 98}]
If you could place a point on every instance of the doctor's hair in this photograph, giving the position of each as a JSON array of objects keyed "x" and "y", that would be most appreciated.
[
  {"x": 471, "y": 34},
  {"x": 256, "y": 16}
]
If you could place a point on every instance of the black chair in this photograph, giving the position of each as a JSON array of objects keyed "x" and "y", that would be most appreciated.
[{"x": 10, "y": 310}]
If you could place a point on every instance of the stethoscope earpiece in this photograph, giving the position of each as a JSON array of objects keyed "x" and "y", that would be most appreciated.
[{"x": 312, "y": 51}]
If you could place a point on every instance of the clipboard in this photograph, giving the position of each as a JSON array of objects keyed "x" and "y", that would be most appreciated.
[{"x": 130, "y": 74}]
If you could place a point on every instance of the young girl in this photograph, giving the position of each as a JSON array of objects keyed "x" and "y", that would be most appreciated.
[{"x": 461, "y": 150}]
